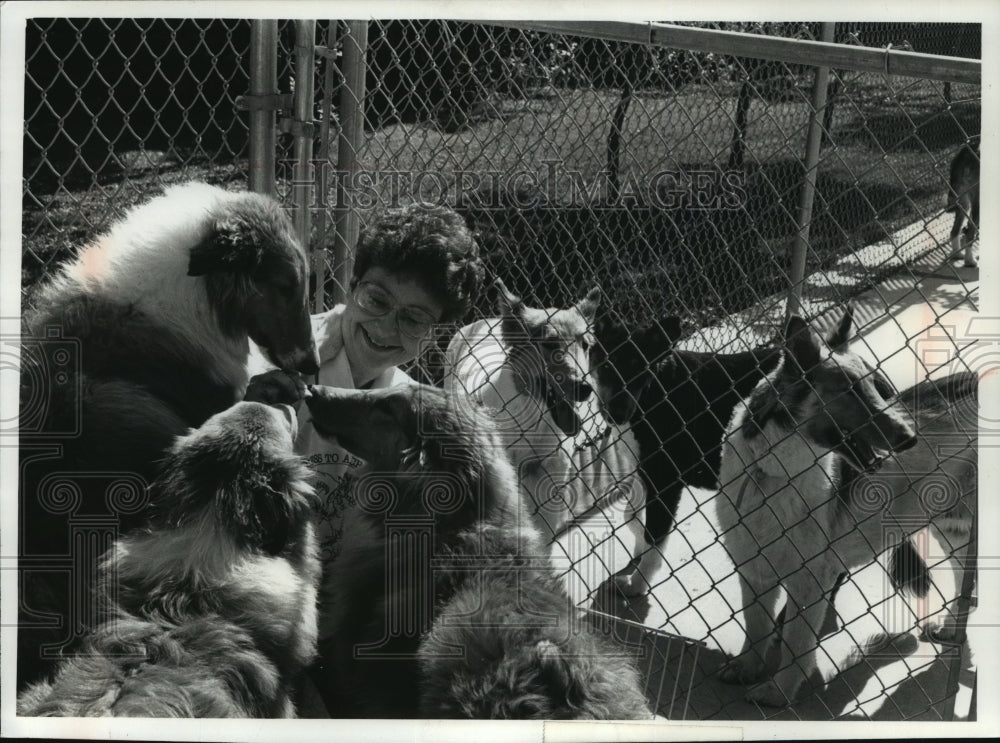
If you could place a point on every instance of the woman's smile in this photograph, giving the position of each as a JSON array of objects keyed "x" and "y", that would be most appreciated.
[{"x": 376, "y": 344}]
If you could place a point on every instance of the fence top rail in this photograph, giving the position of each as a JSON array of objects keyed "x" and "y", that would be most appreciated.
[{"x": 886, "y": 61}]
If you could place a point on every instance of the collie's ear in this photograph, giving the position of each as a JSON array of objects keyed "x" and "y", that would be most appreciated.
[
  {"x": 511, "y": 309},
  {"x": 609, "y": 330},
  {"x": 255, "y": 510},
  {"x": 271, "y": 518},
  {"x": 587, "y": 306},
  {"x": 837, "y": 340},
  {"x": 507, "y": 301},
  {"x": 233, "y": 245},
  {"x": 670, "y": 325},
  {"x": 802, "y": 344}
]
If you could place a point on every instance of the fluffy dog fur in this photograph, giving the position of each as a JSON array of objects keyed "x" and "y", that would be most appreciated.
[
  {"x": 825, "y": 416},
  {"x": 211, "y": 610},
  {"x": 530, "y": 370},
  {"x": 678, "y": 404},
  {"x": 158, "y": 315},
  {"x": 963, "y": 200},
  {"x": 480, "y": 627}
]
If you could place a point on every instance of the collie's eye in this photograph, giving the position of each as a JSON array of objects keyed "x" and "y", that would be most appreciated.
[{"x": 883, "y": 386}]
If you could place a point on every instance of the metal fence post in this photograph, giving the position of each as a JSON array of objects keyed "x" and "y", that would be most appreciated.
[
  {"x": 302, "y": 126},
  {"x": 263, "y": 82},
  {"x": 329, "y": 53},
  {"x": 813, "y": 140},
  {"x": 352, "y": 133}
]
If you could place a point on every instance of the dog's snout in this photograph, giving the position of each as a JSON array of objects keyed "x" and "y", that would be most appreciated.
[
  {"x": 907, "y": 442},
  {"x": 309, "y": 363},
  {"x": 324, "y": 401},
  {"x": 583, "y": 391}
]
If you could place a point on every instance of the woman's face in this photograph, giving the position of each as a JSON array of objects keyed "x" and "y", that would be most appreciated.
[{"x": 374, "y": 343}]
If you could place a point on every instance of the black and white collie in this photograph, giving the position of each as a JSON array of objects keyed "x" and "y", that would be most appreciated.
[
  {"x": 211, "y": 610},
  {"x": 142, "y": 336},
  {"x": 443, "y": 601}
]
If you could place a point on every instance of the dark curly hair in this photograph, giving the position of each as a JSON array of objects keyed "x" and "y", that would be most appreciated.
[{"x": 430, "y": 245}]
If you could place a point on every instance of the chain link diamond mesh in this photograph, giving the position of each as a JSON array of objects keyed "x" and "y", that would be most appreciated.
[{"x": 669, "y": 178}]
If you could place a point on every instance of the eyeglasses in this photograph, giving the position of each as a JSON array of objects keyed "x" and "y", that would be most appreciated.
[{"x": 412, "y": 322}]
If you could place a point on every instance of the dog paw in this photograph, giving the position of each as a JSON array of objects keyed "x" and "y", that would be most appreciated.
[
  {"x": 940, "y": 631},
  {"x": 744, "y": 669},
  {"x": 769, "y": 694},
  {"x": 971, "y": 263}
]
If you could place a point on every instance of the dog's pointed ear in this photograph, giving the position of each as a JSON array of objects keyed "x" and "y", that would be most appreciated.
[
  {"x": 587, "y": 307},
  {"x": 511, "y": 309},
  {"x": 837, "y": 340},
  {"x": 508, "y": 303},
  {"x": 802, "y": 344},
  {"x": 608, "y": 328},
  {"x": 233, "y": 245},
  {"x": 670, "y": 325}
]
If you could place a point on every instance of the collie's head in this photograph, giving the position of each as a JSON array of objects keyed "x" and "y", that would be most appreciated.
[
  {"x": 549, "y": 350},
  {"x": 257, "y": 278},
  {"x": 228, "y": 493},
  {"x": 831, "y": 398},
  {"x": 626, "y": 364},
  {"x": 427, "y": 456},
  {"x": 238, "y": 476}
]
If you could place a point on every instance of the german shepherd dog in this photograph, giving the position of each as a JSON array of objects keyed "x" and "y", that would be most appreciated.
[
  {"x": 823, "y": 417},
  {"x": 443, "y": 601},
  {"x": 530, "y": 369},
  {"x": 211, "y": 610},
  {"x": 142, "y": 336},
  {"x": 678, "y": 404},
  {"x": 963, "y": 200}
]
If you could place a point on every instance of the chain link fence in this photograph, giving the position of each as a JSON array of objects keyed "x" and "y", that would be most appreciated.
[{"x": 671, "y": 178}]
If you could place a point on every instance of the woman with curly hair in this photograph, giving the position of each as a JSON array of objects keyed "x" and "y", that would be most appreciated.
[{"x": 414, "y": 268}]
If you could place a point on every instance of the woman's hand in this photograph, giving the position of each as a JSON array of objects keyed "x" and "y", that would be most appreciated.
[{"x": 276, "y": 388}]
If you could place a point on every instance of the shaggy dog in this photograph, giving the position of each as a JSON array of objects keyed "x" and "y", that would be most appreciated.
[
  {"x": 822, "y": 418},
  {"x": 211, "y": 610},
  {"x": 963, "y": 199},
  {"x": 142, "y": 336},
  {"x": 530, "y": 370},
  {"x": 678, "y": 404},
  {"x": 443, "y": 601}
]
